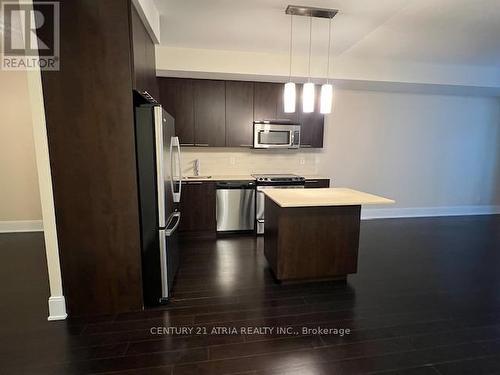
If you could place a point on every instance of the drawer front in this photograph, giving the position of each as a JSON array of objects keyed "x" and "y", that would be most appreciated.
[{"x": 319, "y": 183}]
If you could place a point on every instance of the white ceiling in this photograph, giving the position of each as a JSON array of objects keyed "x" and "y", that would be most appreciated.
[{"x": 429, "y": 31}]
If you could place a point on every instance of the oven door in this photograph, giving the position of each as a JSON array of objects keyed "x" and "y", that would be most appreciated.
[{"x": 259, "y": 204}]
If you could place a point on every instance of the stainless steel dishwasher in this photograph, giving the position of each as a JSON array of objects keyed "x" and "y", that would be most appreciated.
[{"x": 235, "y": 206}]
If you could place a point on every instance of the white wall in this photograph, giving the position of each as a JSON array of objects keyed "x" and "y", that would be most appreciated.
[
  {"x": 19, "y": 194},
  {"x": 176, "y": 61},
  {"x": 433, "y": 154},
  {"x": 150, "y": 17},
  {"x": 426, "y": 135},
  {"x": 421, "y": 150}
]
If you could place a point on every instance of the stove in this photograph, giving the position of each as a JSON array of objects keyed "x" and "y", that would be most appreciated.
[
  {"x": 278, "y": 179},
  {"x": 272, "y": 181}
]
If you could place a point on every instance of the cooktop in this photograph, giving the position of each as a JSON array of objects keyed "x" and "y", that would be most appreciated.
[{"x": 270, "y": 177}]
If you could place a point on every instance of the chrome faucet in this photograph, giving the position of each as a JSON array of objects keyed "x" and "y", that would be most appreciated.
[{"x": 196, "y": 167}]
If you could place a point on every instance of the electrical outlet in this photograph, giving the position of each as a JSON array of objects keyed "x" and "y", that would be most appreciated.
[
  {"x": 302, "y": 161},
  {"x": 232, "y": 160}
]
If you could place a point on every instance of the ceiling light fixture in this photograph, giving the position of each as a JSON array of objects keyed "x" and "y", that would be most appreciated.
[
  {"x": 289, "y": 94},
  {"x": 308, "y": 89},
  {"x": 327, "y": 89}
]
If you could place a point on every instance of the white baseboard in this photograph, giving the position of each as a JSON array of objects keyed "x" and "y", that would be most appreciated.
[
  {"x": 21, "y": 226},
  {"x": 385, "y": 213},
  {"x": 57, "y": 308}
]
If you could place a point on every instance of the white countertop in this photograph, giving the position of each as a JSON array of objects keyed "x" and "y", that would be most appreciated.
[{"x": 323, "y": 197}]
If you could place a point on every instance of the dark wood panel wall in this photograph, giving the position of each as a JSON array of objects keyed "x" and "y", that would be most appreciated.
[
  {"x": 144, "y": 63},
  {"x": 89, "y": 114}
]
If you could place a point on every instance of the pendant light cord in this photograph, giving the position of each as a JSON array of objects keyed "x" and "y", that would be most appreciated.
[
  {"x": 329, "y": 43},
  {"x": 310, "y": 38},
  {"x": 291, "y": 38}
]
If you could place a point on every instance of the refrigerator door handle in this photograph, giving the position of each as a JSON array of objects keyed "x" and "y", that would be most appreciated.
[
  {"x": 172, "y": 182},
  {"x": 177, "y": 195},
  {"x": 180, "y": 167},
  {"x": 163, "y": 266},
  {"x": 173, "y": 223},
  {"x": 158, "y": 117}
]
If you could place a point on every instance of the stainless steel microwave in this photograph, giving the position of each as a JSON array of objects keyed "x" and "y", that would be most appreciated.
[{"x": 273, "y": 134}]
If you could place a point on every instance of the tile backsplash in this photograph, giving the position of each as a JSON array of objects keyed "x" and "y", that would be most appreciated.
[{"x": 235, "y": 161}]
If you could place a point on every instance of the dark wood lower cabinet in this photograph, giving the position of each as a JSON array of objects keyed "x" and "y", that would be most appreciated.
[
  {"x": 317, "y": 183},
  {"x": 311, "y": 243},
  {"x": 198, "y": 209}
]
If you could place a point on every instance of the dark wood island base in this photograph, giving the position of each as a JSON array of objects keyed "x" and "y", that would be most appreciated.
[{"x": 311, "y": 243}]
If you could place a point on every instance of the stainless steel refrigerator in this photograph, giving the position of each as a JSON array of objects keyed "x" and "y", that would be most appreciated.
[{"x": 159, "y": 178}]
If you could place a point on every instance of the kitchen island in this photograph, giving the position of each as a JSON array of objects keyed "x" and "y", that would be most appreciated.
[{"x": 313, "y": 234}]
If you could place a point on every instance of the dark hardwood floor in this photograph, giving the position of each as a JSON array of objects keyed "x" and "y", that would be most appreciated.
[{"x": 425, "y": 300}]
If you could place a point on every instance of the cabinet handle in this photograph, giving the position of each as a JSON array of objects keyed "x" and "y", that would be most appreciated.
[
  {"x": 246, "y": 145},
  {"x": 187, "y": 144},
  {"x": 194, "y": 182},
  {"x": 202, "y": 144},
  {"x": 302, "y": 145},
  {"x": 312, "y": 181}
]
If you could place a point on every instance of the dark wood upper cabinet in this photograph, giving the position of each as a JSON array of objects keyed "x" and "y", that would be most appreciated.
[
  {"x": 143, "y": 57},
  {"x": 266, "y": 101},
  {"x": 221, "y": 113},
  {"x": 319, "y": 183},
  {"x": 209, "y": 113},
  {"x": 177, "y": 97},
  {"x": 311, "y": 133},
  {"x": 239, "y": 113}
]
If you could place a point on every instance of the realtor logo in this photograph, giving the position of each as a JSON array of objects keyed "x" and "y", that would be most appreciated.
[{"x": 30, "y": 35}]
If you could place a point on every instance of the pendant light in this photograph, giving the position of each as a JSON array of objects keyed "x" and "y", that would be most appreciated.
[
  {"x": 327, "y": 88},
  {"x": 308, "y": 89},
  {"x": 289, "y": 93}
]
